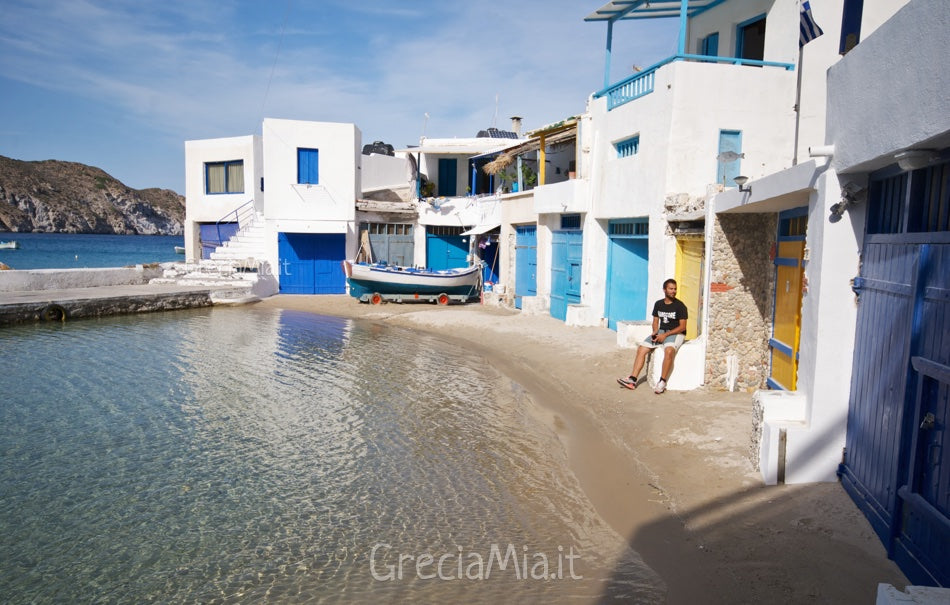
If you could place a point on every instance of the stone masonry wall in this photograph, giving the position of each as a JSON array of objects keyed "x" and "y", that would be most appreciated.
[{"x": 740, "y": 300}]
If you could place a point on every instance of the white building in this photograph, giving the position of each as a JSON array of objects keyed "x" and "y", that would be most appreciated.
[
  {"x": 871, "y": 370},
  {"x": 291, "y": 192}
]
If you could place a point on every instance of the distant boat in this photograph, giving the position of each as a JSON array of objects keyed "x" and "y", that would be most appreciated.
[
  {"x": 179, "y": 249},
  {"x": 10, "y": 245},
  {"x": 378, "y": 282}
]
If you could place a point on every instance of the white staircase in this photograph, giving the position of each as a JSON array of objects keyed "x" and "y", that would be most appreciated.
[
  {"x": 245, "y": 245},
  {"x": 236, "y": 272}
]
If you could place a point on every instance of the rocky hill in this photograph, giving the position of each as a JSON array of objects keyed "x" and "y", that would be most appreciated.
[{"x": 66, "y": 197}]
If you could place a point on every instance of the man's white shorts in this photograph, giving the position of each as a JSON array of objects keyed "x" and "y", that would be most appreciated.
[{"x": 674, "y": 341}]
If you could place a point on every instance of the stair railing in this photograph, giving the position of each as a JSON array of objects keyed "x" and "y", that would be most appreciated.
[{"x": 242, "y": 215}]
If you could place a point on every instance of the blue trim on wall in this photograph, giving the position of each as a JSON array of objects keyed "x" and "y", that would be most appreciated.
[
  {"x": 781, "y": 347},
  {"x": 793, "y": 212}
]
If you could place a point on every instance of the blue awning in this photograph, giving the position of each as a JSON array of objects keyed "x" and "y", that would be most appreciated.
[{"x": 619, "y": 10}]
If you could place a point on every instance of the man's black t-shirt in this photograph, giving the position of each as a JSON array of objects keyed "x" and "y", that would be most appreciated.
[{"x": 670, "y": 314}]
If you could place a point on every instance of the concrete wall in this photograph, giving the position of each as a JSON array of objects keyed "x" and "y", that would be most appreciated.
[
  {"x": 384, "y": 172},
  {"x": 29, "y": 280},
  {"x": 891, "y": 92}
]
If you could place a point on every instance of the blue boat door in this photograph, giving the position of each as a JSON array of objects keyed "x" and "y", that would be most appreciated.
[
  {"x": 446, "y": 248},
  {"x": 526, "y": 262},
  {"x": 627, "y": 263},
  {"x": 897, "y": 457},
  {"x": 311, "y": 263},
  {"x": 567, "y": 247}
]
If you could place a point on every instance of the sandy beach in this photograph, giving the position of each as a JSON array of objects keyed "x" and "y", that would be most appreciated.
[{"x": 671, "y": 473}]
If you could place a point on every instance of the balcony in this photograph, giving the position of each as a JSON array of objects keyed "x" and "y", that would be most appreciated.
[{"x": 641, "y": 84}]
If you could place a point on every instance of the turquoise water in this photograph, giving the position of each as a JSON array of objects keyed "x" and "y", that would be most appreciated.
[
  {"x": 253, "y": 455},
  {"x": 72, "y": 251}
]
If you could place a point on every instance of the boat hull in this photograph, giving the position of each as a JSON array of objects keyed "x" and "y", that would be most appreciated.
[
  {"x": 9, "y": 245},
  {"x": 383, "y": 279}
]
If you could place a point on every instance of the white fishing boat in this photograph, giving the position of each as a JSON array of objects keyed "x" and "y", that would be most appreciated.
[
  {"x": 179, "y": 249},
  {"x": 10, "y": 245},
  {"x": 379, "y": 281}
]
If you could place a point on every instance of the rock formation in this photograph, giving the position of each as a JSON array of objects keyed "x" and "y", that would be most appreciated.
[{"x": 66, "y": 197}]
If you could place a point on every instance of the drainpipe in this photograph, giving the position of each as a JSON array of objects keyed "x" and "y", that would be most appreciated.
[
  {"x": 610, "y": 38},
  {"x": 821, "y": 151}
]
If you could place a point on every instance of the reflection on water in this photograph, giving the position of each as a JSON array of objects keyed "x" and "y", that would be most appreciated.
[{"x": 242, "y": 455}]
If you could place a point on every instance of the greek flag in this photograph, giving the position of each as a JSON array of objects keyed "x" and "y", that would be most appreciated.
[{"x": 808, "y": 29}]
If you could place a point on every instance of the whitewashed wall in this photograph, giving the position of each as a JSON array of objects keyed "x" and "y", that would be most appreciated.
[
  {"x": 201, "y": 207},
  {"x": 330, "y": 206},
  {"x": 891, "y": 92}
]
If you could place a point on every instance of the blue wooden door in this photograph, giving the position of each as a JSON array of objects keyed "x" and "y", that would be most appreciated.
[
  {"x": 446, "y": 251},
  {"x": 627, "y": 263},
  {"x": 448, "y": 177},
  {"x": 311, "y": 263},
  {"x": 566, "y": 254},
  {"x": 897, "y": 457},
  {"x": 526, "y": 263}
]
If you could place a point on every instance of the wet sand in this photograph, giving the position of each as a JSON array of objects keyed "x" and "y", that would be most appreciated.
[{"x": 670, "y": 473}]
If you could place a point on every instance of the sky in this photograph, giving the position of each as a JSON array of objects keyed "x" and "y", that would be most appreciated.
[{"x": 122, "y": 84}]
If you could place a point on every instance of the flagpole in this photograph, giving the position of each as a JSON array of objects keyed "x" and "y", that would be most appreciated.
[{"x": 798, "y": 104}]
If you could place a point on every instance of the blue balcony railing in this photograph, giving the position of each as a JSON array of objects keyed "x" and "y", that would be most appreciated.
[{"x": 641, "y": 83}]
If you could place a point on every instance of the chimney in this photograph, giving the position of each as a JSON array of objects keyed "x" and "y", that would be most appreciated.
[{"x": 516, "y": 125}]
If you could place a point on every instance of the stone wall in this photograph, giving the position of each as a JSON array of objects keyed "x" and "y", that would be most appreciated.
[{"x": 740, "y": 300}]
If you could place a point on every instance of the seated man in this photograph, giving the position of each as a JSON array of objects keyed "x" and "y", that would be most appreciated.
[{"x": 669, "y": 331}]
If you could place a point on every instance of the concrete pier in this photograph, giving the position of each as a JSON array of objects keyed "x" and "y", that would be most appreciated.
[{"x": 74, "y": 303}]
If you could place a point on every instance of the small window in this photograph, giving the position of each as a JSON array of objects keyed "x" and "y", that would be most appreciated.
[
  {"x": 637, "y": 227},
  {"x": 570, "y": 221},
  {"x": 224, "y": 177},
  {"x": 628, "y": 147},
  {"x": 308, "y": 166}
]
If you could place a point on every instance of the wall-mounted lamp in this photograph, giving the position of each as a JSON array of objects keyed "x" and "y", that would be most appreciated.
[
  {"x": 741, "y": 181},
  {"x": 912, "y": 159}
]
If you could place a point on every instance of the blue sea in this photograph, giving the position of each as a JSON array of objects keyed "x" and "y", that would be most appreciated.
[
  {"x": 246, "y": 455},
  {"x": 75, "y": 251}
]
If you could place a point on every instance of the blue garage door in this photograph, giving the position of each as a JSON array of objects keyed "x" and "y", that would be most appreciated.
[
  {"x": 311, "y": 263},
  {"x": 526, "y": 263},
  {"x": 446, "y": 248},
  {"x": 566, "y": 252},
  {"x": 627, "y": 261}
]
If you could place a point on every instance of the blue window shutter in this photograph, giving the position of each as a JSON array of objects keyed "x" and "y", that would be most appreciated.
[
  {"x": 711, "y": 45},
  {"x": 308, "y": 166},
  {"x": 729, "y": 140}
]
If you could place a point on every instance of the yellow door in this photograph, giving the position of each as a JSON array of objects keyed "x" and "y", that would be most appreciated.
[
  {"x": 689, "y": 281},
  {"x": 787, "y": 320}
]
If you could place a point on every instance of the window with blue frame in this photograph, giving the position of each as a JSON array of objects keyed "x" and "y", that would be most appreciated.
[
  {"x": 750, "y": 39},
  {"x": 308, "y": 166},
  {"x": 628, "y": 147},
  {"x": 570, "y": 221},
  {"x": 224, "y": 177}
]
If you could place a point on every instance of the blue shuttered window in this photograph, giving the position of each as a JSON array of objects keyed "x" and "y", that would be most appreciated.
[
  {"x": 730, "y": 141},
  {"x": 308, "y": 166}
]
